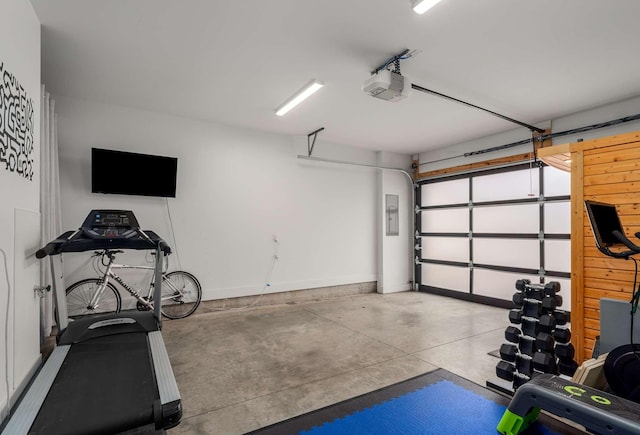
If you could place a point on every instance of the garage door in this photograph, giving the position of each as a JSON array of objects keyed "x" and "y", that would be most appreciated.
[{"x": 480, "y": 232}]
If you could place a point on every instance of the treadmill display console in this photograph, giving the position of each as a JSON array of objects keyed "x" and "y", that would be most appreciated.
[{"x": 110, "y": 224}]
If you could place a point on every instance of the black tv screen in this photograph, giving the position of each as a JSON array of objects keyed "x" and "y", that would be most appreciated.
[
  {"x": 604, "y": 221},
  {"x": 132, "y": 173}
]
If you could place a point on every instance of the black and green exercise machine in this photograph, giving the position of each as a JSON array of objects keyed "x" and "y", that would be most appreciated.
[{"x": 597, "y": 411}]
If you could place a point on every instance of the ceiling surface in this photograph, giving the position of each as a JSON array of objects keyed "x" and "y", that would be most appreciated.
[{"x": 235, "y": 61}]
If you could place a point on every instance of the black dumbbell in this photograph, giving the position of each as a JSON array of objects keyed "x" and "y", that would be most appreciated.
[
  {"x": 522, "y": 283},
  {"x": 544, "y": 362},
  {"x": 512, "y": 334},
  {"x": 562, "y": 317},
  {"x": 531, "y": 308},
  {"x": 565, "y": 352},
  {"x": 567, "y": 368},
  {"x": 534, "y": 292},
  {"x": 530, "y": 326},
  {"x": 508, "y": 352},
  {"x": 541, "y": 290},
  {"x": 519, "y": 380},
  {"x": 545, "y": 342},
  {"x": 515, "y": 316},
  {"x": 547, "y": 323},
  {"x": 518, "y": 299},
  {"x": 551, "y": 302},
  {"x": 551, "y": 288},
  {"x": 524, "y": 364},
  {"x": 562, "y": 335},
  {"x": 527, "y": 346},
  {"x": 505, "y": 370}
]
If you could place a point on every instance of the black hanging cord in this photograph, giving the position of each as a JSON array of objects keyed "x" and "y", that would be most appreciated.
[
  {"x": 634, "y": 305},
  {"x": 535, "y": 148}
]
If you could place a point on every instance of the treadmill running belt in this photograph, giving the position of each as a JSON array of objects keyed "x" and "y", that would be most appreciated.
[{"x": 106, "y": 385}]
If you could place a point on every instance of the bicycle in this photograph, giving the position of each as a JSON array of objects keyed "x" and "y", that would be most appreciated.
[{"x": 181, "y": 291}]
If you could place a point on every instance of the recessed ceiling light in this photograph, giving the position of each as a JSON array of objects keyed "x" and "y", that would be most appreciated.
[
  {"x": 299, "y": 97},
  {"x": 422, "y": 6}
]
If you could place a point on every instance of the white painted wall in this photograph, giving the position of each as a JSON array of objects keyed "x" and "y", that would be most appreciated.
[
  {"x": 394, "y": 266},
  {"x": 594, "y": 116},
  {"x": 20, "y": 56},
  {"x": 236, "y": 190}
]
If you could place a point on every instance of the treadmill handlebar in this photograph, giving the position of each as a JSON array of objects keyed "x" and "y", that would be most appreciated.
[
  {"x": 48, "y": 249},
  {"x": 70, "y": 238},
  {"x": 164, "y": 247}
]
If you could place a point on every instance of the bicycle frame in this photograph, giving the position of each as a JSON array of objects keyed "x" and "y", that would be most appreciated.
[{"x": 110, "y": 274}]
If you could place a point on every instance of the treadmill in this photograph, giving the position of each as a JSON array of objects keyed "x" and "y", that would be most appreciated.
[{"x": 110, "y": 373}]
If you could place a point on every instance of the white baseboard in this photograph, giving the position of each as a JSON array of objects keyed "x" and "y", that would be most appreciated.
[
  {"x": 15, "y": 395},
  {"x": 394, "y": 288},
  {"x": 213, "y": 294}
]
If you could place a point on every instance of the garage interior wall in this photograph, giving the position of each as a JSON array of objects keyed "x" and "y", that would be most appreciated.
[
  {"x": 238, "y": 192},
  {"x": 19, "y": 214},
  {"x": 394, "y": 267}
]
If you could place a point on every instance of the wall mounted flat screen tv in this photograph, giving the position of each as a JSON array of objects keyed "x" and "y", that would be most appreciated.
[{"x": 132, "y": 173}]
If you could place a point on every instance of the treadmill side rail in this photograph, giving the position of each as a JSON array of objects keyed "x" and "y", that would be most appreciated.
[
  {"x": 28, "y": 409},
  {"x": 166, "y": 381}
]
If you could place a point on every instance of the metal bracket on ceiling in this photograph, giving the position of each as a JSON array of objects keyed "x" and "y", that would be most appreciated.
[
  {"x": 537, "y": 139},
  {"x": 395, "y": 60},
  {"x": 311, "y": 143}
]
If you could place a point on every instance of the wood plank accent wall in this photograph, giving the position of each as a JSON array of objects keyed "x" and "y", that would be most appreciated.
[{"x": 606, "y": 170}]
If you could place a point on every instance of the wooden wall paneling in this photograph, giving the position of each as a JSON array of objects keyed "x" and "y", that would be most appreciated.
[
  {"x": 606, "y": 170},
  {"x": 608, "y": 167},
  {"x": 611, "y": 178},
  {"x": 628, "y": 189},
  {"x": 611, "y": 154},
  {"x": 604, "y": 142},
  {"x": 486, "y": 164},
  {"x": 577, "y": 247}
]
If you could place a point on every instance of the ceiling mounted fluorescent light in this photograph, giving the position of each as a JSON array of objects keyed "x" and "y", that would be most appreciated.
[
  {"x": 299, "y": 97},
  {"x": 422, "y": 6}
]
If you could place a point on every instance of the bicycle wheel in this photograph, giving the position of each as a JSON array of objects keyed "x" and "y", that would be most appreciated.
[
  {"x": 181, "y": 294},
  {"x": 79, "y": 296}
]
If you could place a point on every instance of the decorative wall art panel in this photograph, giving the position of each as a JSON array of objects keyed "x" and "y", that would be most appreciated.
[{"x": 16, "y": 126}]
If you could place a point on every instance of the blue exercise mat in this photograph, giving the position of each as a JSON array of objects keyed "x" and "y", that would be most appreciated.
[
  {"x": 438, "y": 402},
  {"x": 441, "y": 408}
]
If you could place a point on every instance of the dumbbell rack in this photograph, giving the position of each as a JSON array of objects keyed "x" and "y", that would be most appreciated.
[{"x": 542, "y": 342}]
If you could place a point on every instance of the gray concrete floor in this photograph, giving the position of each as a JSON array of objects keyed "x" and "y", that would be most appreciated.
[{"x": 244, "y": 369}]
